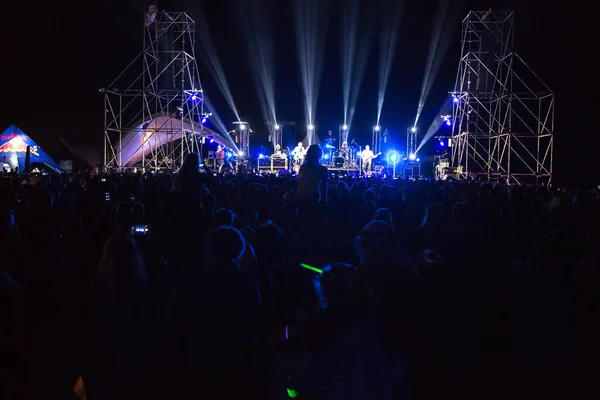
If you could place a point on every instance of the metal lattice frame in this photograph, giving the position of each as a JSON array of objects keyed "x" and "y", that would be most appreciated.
[
  {"x": 162, "y": 81},
  {"x": 277, "y": 138},
  {"x": 411, "y": 141},
  {"x": 242, "y": 138},
  {"x": 503, "y": 113},
  {"x": 376, "y": 139}
]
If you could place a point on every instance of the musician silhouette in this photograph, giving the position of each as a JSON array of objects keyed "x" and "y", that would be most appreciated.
[{"x": 367, "y": 156}]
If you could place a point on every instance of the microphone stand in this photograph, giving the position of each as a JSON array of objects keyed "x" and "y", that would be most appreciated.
[{"x": 360, "y": 162}]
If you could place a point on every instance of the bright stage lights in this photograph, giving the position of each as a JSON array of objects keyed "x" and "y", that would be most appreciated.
[
  {"x": 261, "y": 156},
  {"x": 393, "y": 157},
  {"x": 455, "y": 99},
  {"x": 377, "y": 128},
  {"x": 413, "y": 129},
  {"x": 447, "y": 119},
  {"x": 242, "y": 127},
  {"x": 241, "y": 154},
  {"x": 311, "y": 127},
  {"x": 204, "y": 120},
  {"x": 345, "y": 127},
  {"x": 412, "y": 156},
  {"x": 277, "y": 126}
]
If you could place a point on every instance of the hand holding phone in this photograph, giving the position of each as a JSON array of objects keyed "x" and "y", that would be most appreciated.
[{"x": 139, "y": 230}]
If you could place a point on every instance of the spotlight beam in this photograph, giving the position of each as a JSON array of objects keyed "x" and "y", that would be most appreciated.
[
  {"x": 211, "y": 59},
  {"x": 436, "y": 124},
  {"x": 218, "y": 123},
  {"x": 355, "y": 52},
  {"x": 387, "y": 48},
  {"x": 310, "y": 22},
  {"x": 443, "y": 31},
  {"x": 259, "y": 42}
]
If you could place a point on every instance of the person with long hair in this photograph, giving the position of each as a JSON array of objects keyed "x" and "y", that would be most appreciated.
[{"x": 312, "y": 177}]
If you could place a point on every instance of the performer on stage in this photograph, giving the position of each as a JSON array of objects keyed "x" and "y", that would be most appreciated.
[
  {"x": 278, "y": 153},
  {"x": 220, "y": 157},
  {"x": 298, "y": 155},
  {"x": 367, "y": 156}
]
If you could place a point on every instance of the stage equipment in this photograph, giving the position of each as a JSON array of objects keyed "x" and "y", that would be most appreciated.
[
  {"x": 376, "y": 139},
  {"x": 153, "y": 110},
  {"x": 242, "y": 132},
  {"x": 503, "y": 114},
  {"x": 411, "y": 141},
  {"x": 343, "y": 134}
]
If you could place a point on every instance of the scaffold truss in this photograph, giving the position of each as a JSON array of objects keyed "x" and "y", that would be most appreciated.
[
  {"x": 503, "y": 113},
  {"x": 154, "y": 109},
  {"x": 376, "y": 139}
]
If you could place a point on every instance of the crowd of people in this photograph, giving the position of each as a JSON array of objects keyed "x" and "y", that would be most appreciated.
[{"x": 203, "y": 285}]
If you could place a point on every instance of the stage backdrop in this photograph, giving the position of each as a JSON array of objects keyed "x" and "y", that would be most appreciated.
[{"x": 13, "y": 150}]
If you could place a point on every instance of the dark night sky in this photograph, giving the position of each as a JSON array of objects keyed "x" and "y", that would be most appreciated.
[{"x": 59, "y": 53}]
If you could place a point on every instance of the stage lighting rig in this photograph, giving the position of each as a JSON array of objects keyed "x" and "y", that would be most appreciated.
[
  {"x": 243, "y": 133},
  {"x": 376, "y": 139},
  {"x": 411, "y": 141}
]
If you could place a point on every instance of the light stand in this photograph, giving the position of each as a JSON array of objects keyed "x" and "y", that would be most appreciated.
[
  {"x": 342, "y": 134},
  {"x": 411, "y": 140},
  {"x": 376, "y": 139},
  {"x": 277, "y": 138}
]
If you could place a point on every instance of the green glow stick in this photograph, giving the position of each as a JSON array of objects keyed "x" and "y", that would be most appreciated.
[
  {"x": 317, "y": 270},
  {"x": 292, "y": 393}
]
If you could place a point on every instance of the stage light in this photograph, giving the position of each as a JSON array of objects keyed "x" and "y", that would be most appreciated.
[
  {"x": 229, "y": 154},
  {"x": 449, "y": 122},
  {"x": 242, "y": 127},
  {"x": 311, "y": 127},
  {"x": 442, "y": 143},
  {"x": 412, "y": 156},
  {"x": 241, "y": 154},
  {"x": 345, "y": 127},
  {"x": 212, "y": 140},
  {"x": 393, "y": 157},
  {"x": 204, "y": 120},
  {"x": 194, "y": 97},
  {"x": 455, "y": 99},
  {"x": 261, "y": 156},
  {"x": 377, "y": 128},
  {"x": 325, "y": 156},
  {"x": 418, "y": 159},
  {"x": 413, "y": 129},
  {"x": 277, "y": 126}
]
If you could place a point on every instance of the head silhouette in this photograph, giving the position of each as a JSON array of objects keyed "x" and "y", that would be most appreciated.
[{"x": 313, "y": 154}]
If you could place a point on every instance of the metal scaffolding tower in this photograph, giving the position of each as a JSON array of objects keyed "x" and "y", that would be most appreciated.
[
  {"x": 155, "y": 106},
  {"x": 343, "y": 132},
  {"x": 411, "y": 141},
  {"x": 242, "y": 138},
  {"x": 503, "y": 114},
  {"x": 376, "y": 139},
  {"x": 277, "y": 138}
]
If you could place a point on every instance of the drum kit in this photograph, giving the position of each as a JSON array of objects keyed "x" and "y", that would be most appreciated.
[{"x": 344, "y": 157}]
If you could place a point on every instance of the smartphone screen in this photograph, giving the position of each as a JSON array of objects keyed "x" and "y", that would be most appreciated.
[{"x": 139, "y": 230}]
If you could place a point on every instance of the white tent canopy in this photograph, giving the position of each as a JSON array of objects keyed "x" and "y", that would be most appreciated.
[{"x": 150, "y": 135}]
